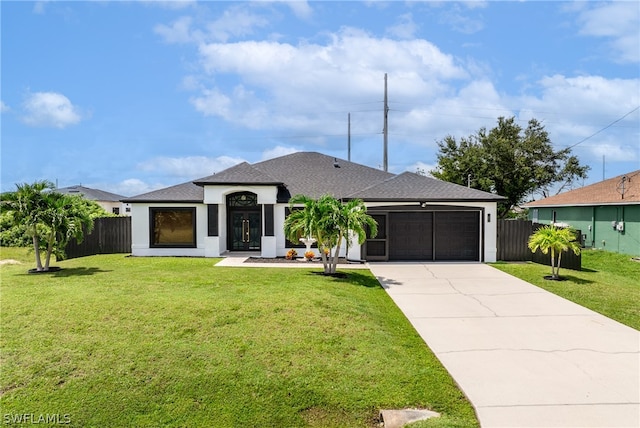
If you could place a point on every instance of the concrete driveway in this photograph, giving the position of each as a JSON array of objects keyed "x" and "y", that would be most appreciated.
[{"x": 523, "y": 356}]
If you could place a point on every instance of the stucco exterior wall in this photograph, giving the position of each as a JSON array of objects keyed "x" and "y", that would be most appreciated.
[
  {"x": 597, "y": 225},
  {"x": 140, "y": 240},
  {"x": 271, "y": 246}
]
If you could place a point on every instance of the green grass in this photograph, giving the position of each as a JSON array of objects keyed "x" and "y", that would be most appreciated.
[
  {"x": 120, "y": 341},
  {"x": 609, "y": 283}
]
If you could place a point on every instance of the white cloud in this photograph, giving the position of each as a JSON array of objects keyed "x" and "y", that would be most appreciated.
[
  {"x": 277, "y": 152},
  {"x": 190, "y": 166},
  {"x": 130, "y": 187},
  {"x": 290, "y": 86},
  {"x": 421, "y": 167},
  {"x": 179, "y": 31},
  {"x": 619, "y": 22},
  {"x": 50, "y": 109},
  {"x": 234, "y": 22},
  {"x": 300, "y": 8},
  {"x": 171, "y": 5},
  {"x": 461, "y": 21},
  {"x": 405, "y": 29},
  {"x": 3, "y": 107}
]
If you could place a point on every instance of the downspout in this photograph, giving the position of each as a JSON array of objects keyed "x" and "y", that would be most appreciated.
[{"x": 593, "y": 226}]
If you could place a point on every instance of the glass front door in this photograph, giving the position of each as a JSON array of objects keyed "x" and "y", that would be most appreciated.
[{"x": 245, "y": 231}]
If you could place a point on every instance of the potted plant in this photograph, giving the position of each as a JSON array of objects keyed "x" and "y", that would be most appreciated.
[{"x": 555, "y": 240}]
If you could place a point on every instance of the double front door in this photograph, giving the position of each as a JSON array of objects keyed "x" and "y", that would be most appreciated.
[{"x": 245, "y": 230}]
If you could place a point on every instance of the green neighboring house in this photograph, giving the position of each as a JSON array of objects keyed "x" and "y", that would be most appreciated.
[{"x": 607, "y": 213}]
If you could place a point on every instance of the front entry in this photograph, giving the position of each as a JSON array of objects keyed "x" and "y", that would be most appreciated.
[
  {"x": 244, "y": 222},
  {"x": 245, "y": 231}
]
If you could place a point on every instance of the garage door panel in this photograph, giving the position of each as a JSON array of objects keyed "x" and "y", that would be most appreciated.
[
  {"x": 411, "y": 236},
  {"x": 457, "y": 235}
]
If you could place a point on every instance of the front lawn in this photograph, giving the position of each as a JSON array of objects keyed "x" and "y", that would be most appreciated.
[
  {"x": 121, "y": 341},
  {"x": 609, "y": 283}
]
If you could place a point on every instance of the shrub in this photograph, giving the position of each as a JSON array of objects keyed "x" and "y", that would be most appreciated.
[{"x": 291, "y": 254}]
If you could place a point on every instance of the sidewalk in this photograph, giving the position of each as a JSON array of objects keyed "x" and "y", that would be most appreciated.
[{"x": 523, "y": 356}]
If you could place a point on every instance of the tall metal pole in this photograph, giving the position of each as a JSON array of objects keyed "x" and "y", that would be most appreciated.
[
  {"x": 349, "y": 137},
  {"x": 385, "y": 158}
]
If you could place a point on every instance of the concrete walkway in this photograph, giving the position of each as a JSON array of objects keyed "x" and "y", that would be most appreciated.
[{"x": 524, "y": 357}]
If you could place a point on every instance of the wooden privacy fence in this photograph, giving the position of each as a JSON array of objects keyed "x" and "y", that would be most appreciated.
[
  {"x": 110, "y": 235},
  {"x": 513, "y": 237}
]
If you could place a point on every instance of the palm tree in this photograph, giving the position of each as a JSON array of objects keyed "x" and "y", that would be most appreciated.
[
  {"x": 353, "y": 220},
  {"x": 48, "y": 216},
  {"x": 328, "y": 221},
  {"x": 28, "y": 205},
  {"x": 555, "y": 240},
  {"x": 67, "y": 217}
]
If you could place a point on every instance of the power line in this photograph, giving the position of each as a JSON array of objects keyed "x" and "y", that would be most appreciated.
[{"x": 606, "y": 127}]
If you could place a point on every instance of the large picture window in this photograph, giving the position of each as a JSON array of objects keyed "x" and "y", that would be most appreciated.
[{"x": 172, "y": 227}]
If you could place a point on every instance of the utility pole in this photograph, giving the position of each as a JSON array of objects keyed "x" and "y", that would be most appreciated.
[
  {"x": 385, "y": 131},
  {"x": 349, "y": 137}
]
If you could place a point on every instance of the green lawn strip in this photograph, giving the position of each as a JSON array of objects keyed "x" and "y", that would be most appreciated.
[
  {"x": 122, "y": 341},
  {"x": 608, "y": 284}
]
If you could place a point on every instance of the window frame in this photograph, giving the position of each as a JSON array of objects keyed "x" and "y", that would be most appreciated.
[{"x": 154, "y": 210}]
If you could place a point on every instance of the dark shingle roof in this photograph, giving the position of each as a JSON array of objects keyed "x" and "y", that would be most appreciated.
[
  {"x": 410, "y": 186},
  {"x": 185, "y": 192},
  {"x": 91, "y": 194},
  {"x": 243, "y": 173},
  {"x": 314, "y": 174},
  {"x": 609, "y": 191}
]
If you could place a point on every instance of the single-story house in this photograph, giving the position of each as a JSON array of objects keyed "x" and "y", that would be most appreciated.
[
  {"x": 111, "y": 202},
  {"x": 607, "y": 213},
  {"x": 243, "y": 208}
]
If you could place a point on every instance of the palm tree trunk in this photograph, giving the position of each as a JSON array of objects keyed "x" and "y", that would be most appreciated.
[
  {"x": 557, "y": 276},
  {"x": 334, "y": 265},
  {"x": 36, "y": 248},
  {"x": 49, "y": 251},
  {"x": 553, "y": 263}
]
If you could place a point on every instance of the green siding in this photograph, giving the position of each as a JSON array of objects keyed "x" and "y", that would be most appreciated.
[{"x": 595, "y": 223}]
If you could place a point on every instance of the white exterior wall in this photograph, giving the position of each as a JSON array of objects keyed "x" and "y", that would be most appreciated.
[
  {"x": 272, "y": 246},
  {"x": 140, "y": 239}
]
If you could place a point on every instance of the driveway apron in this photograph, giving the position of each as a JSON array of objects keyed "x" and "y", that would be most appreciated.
[{"x": 523, "y": 356}]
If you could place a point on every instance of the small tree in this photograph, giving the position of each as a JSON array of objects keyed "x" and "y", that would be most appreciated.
[
  {"x": 27, "y": 206},
  {"x": 47, "y": 217},
  {"x": 328, "y": 221},
  {"x": 555, "y": 240}
]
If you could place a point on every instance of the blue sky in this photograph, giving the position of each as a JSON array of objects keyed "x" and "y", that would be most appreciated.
[{"x": 133, "y": 96}]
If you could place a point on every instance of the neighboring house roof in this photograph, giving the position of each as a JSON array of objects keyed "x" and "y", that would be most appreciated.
[
  {"x": 314, "y": 174},
  {"x": 91, "y": 194},
  {"x": 621, "y": 190}
]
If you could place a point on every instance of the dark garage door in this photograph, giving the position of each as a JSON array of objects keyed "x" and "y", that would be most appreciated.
[
  {"x": 411, "y": 236},
  {"x": 439, "y": 235},
  {"x": 457, "y": 235}
]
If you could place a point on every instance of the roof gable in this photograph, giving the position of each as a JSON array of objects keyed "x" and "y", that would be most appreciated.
[
  {"x": 411, "y": 187},
  {"x": 611, "y": 191},
  {"x": 242, "y": 173},
  {"x": 314, "y": 174}
]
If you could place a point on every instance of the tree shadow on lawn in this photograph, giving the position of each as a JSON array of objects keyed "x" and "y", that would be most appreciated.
[
  {"x": 67, "y": 272},
  {"x": 352, "y": 277},
  {"x": 576, "y": 280}
]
